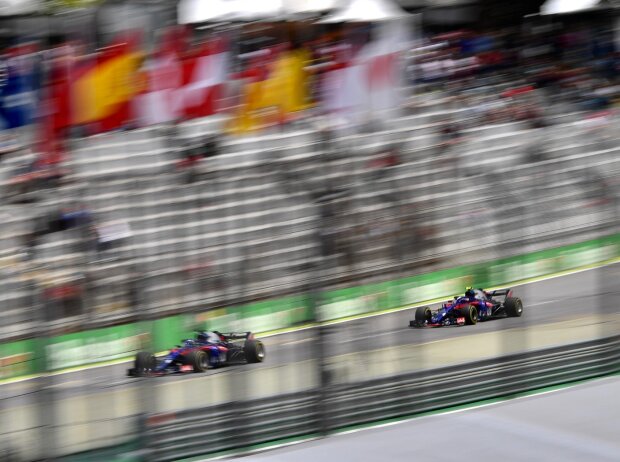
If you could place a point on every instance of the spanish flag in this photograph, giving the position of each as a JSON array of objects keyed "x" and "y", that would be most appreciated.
[
  {"x": 279, "y": 95},
  {"x": 105, "y": 85}
]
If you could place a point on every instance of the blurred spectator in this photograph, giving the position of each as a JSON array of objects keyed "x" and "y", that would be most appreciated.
[
  {"x": 64, "y": 299},
  {"x": 194, "y": 154},
  {"x": 450, "y": 137},
  {"x": 79, "y": 218},
  {"x": 35, "y": 176},
  {"x": 529, "y": 113},
  {"x": 110, "y": 235},
  {"x": 74, "y": 218},
  {"x": 535, "y": 153},
  {"x": 46, "y": 170},
  {"x": 600, "y": 126},
  {"x": 332, "y": 227},
  {"x": 450, "y": 133},
  {"x": 384, "y": 162}
]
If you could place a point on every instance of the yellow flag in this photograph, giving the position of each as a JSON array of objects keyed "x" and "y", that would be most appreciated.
[{"x": 282, "y": 94}]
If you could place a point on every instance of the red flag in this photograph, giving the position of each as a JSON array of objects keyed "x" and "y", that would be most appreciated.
[
  {"x": 203, "y": 80},
  {"x": 122, "y": 114},
  {"x": 55, "y": 111},
  {"x": 381, "y": 70},
  {"x": 59, "y": 89}
]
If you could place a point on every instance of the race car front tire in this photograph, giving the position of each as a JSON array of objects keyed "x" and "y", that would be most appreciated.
[
  {"x": 423, "y": 314},
  {"x": 470, "y": 313},
  {"x": 513, "y": 306},
  {"x": 144, "y": 363},
  {"x": 199, "y": 360},
  {"x": 254, "y": 351}
]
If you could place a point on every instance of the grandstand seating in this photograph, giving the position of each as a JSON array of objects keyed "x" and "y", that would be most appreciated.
[{"x": 253, "y": 218}]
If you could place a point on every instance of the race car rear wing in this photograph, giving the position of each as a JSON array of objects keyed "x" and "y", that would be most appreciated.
[
  {"x": 500, "y": 292},
  {"x": 236, "y": 335}
]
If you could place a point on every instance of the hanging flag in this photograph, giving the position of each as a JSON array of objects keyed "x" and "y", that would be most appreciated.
[
  {"x": 278, "y": 97},
  {"x": 58, "y": 100},
  {"x": 54, "y": 113},
  {"x": 344, "y": 87},
  {"x": 177, "y": 84},
  {"x": 18, "y": 94},
  {"x": 103, "y": 93},
  {"x": 204, "y": 76},
  {"x": 161, "y": 78},
  {"x": 159, "y": 103},
  {"x": 368, "y": 88}
]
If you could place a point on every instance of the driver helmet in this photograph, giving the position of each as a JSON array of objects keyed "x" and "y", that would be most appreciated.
[{"x": 469, "y": 292}]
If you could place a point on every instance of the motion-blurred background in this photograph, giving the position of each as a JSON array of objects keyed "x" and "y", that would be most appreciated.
[{"x": 302, "y": 170}]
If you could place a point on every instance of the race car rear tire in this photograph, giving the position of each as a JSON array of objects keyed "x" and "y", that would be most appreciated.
[
  {"x": 144, "y": 363},
  {"x": 470, "y": 313},
  {"x": 423, "y": 314},
  {"x": 513, "y": 306},
  {"x": 199, "y": 360},
  {"x": 254, "y": 351}
]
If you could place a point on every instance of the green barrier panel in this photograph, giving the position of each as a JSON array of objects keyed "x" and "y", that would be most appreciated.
[
  {"x": 94, "y": 346},
  {"x": 257, "y": 317},
  {"x": 343, "y": 303},
  {"x": 357, "y": 300},
  {"x": 106, "y": 344},
  {"x": 19, "y": 359},
  {"x": 429, "y": 286},
  {"x": 167, "y": 332}
]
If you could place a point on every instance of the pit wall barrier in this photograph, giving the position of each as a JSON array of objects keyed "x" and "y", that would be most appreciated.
[{"x": 118, "y": 343}]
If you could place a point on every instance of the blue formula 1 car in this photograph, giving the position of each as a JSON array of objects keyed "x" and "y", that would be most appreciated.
[
  {"x": 207, "y": 350},
  {"x": 476, "y": 305}
]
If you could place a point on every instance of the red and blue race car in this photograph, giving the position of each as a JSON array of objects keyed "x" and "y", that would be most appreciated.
[
  {"x": 207, "y": 350},
  {"x": 476, "y": 305}
]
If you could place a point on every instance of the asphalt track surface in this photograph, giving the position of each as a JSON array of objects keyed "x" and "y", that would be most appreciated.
[
  {"x": 575, "y": 424},
  {"x": 569, "y": 297}
]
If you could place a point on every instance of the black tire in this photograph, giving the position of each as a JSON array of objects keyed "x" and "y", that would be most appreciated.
[
  {"x": 423, "y": 314},
  {"x": 198, "y": 359},
  {"x": 470, "y": 313},
  {"x": 145, "y": 363},
  {"x": 254, "y": 351},
  {"x": 513, "y": 306}
]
